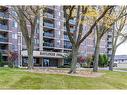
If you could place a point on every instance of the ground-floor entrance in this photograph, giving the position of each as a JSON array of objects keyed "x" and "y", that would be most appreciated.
[
  {"x": 50, "y": 62},
  {"x": 43, "y": 62},
  {"x": 36, "y": 62}
]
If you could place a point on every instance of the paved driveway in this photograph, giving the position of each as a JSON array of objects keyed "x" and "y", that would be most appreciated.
[{"x": 121, "y": 66}]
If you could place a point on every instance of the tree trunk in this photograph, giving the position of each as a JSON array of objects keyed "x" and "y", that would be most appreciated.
[
  {"x": 96, "y": 55},
  {"x": 74, "y": 60},
  {"x": 30, "y": 55},
  {"x": 13, "y": 63},
  {"x": 112, "y": 60}
]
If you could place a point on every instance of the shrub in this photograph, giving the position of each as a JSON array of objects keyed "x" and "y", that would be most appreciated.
[
  {"x": 10, "y": 64},
  {"x": 68, "y": 58},
  {"x": 81, "y": 59},
  {"x": 65, "y": 66},
  {"x": 103, "y": 60},
  {"x": 13, "y": 56},
  {"x": 89, "y": 61}
]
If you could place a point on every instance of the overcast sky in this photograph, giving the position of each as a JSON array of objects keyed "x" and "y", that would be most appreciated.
[{"x": 122, "y": 49}]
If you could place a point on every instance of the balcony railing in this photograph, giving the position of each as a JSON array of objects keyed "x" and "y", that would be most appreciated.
[
  {"x": 48, "y": 44},
  {"x": 48, "y": 15},
  {"x": 109, "y": 46},
  {"x": 109, "y": 52},
  {"x": 48, "y": 34},
  {"x": 3, "y": 51},
  {"x": 51, "y": 7},
  {"x": 109, "y": 39},
  {"x": 48, "y": 25},
  {"x": 64, "y": 27},
  {"x": 3, "y": 15},
  {"x": 3, "y": 39},
  {"x": 72, "y": 21},
  {"x": 4, "y": 27},
  {"x": 58, "y": 46},
  {"x": 110, "y": 33},
  {"x": 71, "y": 30},
  {"x": 66, "y": 37},
  {"x": 68, "y": 46}
]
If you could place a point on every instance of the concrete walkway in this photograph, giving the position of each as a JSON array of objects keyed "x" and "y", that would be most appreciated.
[
  {"x": 120, "y": 70},
  {"x": 114, "y": 69}
]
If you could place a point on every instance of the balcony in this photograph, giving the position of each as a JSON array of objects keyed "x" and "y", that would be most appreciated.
[
  {"x": 48, "y": 15},
  {"x": 4, "y": 27},
  {"x": 109, "y": 52},
  {"x": 58, "y": 46},
  {"x": 47, "y": 44},
  {"x": 68, "y": 46},
  {"x": 110, "y": 33},
  {"x": 64, "y": 27},
  {"x": 3, "y": 51},
  {"x": 66, "y": 37},
  {"x": 3, "y": 15},
  {"x": 51, "y": 7},
  {"x": 47, "y": 34},
  {"x": 109, "y": 46},
  {"x": 3, "y": 39},
  {"x": 109, "y": 39},
  {"x": 72, "y": 30},
  {"x": 48, "y": 25},
  {"x": 72, "y": 21}
]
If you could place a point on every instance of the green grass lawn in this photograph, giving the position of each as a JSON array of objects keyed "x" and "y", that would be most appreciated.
[{"x": 18, "y": 79}]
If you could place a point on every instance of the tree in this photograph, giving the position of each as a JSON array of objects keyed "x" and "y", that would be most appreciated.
[
  {"x": 81, "y": 59},
  {"x": 27, "y": 15},
  {"x": 12, "y": 56},
  {"x": 89, "y": 60},
  {"x": 68, "y": 57},
  {"x": 76, "y": 38},
  {"x": 103, "y": 27},
  {"x": 1, "y": 59},
  {"x": 106, "y": 59},
  {"x": 103, "y": 60},
  {"x": 119, "y": 36}
]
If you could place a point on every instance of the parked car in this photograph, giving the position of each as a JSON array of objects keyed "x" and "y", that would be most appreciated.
[{"x": 114, "y": 64}]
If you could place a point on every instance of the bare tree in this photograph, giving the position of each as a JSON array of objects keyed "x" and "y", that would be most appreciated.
[
  {"x": 27, "y": 15},
  {"x": 77, "y": 37},
  {"x": 119, "y": 36},
  {"x": 103, "y": 27}
]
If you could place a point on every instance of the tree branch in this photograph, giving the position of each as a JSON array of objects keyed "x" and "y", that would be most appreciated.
[{"x": 94, "y": 24}]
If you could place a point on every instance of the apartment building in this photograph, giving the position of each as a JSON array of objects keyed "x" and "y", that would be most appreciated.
[
  {"x": 8, "y": 33},
  {"x": 50, "y": 42}
]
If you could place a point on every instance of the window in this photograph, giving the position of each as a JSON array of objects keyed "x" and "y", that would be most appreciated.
[
  {"x": 14, "y": 24},
  {"x": 58, "y": 32},
  {"x": 59, "y": 23},
  {"x": 59, "y": 14},
  {"x": 36, "y": 41},
  {"x": 14, "y": 47},
  {"x": 14, "y": 36},
  {"x": 58, "y": 42},
  {"x": 14, "y": 13}
]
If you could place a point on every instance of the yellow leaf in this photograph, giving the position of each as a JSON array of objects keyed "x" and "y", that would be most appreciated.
[{"x": 92, "y": 13}]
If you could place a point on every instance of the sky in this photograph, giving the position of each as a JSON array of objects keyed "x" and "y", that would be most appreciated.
[{"x": 122, "y": 49}]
